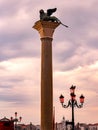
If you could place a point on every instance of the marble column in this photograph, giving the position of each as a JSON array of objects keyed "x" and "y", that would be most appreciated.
[{"x": 46, "y": 30}]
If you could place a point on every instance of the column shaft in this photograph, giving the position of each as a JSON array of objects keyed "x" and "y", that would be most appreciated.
[{"x": 46, "y": 85}]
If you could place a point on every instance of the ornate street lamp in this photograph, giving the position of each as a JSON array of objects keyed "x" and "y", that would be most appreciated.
[
  {"x": 16, "y": 120},
  {"x": 72, "y": 103}
]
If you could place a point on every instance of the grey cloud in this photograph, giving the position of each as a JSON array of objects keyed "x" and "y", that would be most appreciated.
[
  {"x": 11, "y": 8},
  {"x": 66, "y": 52},
  {"x": 6, "y": 86},
  {"x": 81, "y": 20},
  {"x": 11, "y": 78},
  {"x": 7, "y": 8},
  {"x": 18, "y": 39},
  {"x": 8, "y": 93},
  {"x": 23, "y": 52},
  {"x": 16, "y": 42},
  {"x": 14, "y": 98},
  {"x": 8, "y": 83},
  {"x": 93, "y": 43},
  {"x": 74, "y": 62}
]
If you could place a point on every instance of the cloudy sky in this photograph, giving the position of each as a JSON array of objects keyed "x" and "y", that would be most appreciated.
[{"x": 75, "y": 58}]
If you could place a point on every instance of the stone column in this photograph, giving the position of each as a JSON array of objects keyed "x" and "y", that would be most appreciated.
[{"x": 46, "y": 30}]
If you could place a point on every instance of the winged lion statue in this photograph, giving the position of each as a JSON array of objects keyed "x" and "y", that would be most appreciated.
[{"x": 46, "y": 16}]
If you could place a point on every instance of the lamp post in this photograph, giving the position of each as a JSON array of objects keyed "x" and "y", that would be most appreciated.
[
  {"x": 72, "y": 103},
  {"x": 16, "y": 120}
]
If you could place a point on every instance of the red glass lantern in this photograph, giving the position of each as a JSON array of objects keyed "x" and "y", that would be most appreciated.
[
  {"x": 61, "y": 99},
  {"x": 82, "y": 99}
]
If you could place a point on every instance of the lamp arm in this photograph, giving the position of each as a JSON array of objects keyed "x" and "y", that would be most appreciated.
[
  {"x": 66, "y": 106},
  {"x": 78, "y": 105}
]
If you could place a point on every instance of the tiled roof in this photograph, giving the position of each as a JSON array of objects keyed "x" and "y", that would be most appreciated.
[{"x": 4, "y": 119}]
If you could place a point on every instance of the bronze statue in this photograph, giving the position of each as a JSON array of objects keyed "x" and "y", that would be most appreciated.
[{"x": 47, "y": 16}]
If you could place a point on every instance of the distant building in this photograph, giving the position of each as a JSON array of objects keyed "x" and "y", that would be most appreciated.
[
  {"x": 93, "y": 126},
  {"x": 63, "y": 125},
  {"x": 84, "y": 126},
  {"x": 81, "y": 126},
  {"x": 27, "y": 127},
  {"x": 6, "y": 124}
]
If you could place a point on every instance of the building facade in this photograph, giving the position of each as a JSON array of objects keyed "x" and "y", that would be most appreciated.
[{"x": 6, "y": 124}]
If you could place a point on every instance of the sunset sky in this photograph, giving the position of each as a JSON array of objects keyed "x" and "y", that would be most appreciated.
[{"x": 75, "y": 58}]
